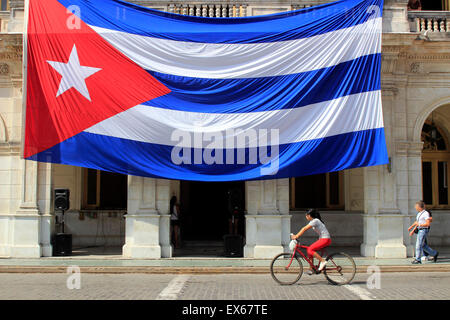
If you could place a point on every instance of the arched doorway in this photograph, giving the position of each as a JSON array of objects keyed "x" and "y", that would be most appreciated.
[{"x": 436, "y": 159}]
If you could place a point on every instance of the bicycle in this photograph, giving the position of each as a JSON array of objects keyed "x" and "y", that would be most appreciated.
[{"x": 287, "y": 268}]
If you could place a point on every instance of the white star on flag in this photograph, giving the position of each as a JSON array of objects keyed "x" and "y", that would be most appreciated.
[{"x": 73, "y": 74}]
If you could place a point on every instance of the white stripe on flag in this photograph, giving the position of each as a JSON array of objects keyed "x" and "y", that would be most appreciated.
[
  {"x": 342, "y": 115},
  {"x": 224, "y": 60}
]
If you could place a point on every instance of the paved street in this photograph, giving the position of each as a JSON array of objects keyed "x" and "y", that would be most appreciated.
[{"x": 227, "y": 286}]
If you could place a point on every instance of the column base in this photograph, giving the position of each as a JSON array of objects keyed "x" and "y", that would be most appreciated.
[
  {"x": 248, "y": 251},
  {"x": 368, "y": 250},
  {"x": 141, "y": 252},
  {"x": 383, "y": 234},
  {"x": 384, "y": 251},
  {"x": 4, "y": 251},
  {"x": 388, "y": 251},
  {"x": 25, "y": 228},
  {"x": 47, "y": 250},
  {"x": 166, "y": 251},
  {"x": 33, "y": 251},
  {"x": 164, "y": 236},
  {"x": 266, "y": 252},
  {"x": 410, "y": 250},
  {"x": 266, "y": 235}
]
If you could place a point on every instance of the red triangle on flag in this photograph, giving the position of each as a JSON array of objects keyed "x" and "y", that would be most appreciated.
[{"x": 58, "y": 105}]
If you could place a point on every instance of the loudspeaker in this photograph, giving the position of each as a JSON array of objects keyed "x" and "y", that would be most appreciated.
[
  {"x": 234, "y": 245},
  {"x": 62, "y": 199},
  {"x": 62, "y": 244}
]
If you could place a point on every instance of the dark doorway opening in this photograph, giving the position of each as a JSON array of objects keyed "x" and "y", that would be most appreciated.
[
  {"x": 205, "y": 209},
  {"x": 434, "y": 5}
]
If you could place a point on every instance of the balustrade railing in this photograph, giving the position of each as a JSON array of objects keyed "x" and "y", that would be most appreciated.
[{"x": 434, "y": 21}]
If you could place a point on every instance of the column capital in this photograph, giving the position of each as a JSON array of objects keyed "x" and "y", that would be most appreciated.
[
  {"x": 410, "y": 148},
  {"x": 16, "y": 4}
]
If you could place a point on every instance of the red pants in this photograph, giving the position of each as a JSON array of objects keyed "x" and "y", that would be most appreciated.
[{"x": 319, "y": 244}]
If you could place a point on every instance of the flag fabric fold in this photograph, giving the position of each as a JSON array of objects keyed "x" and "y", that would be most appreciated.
[{"x": 122, "y": 88}]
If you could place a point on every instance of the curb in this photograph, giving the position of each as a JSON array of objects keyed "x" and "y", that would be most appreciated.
[{"x": 198, "y": 270}]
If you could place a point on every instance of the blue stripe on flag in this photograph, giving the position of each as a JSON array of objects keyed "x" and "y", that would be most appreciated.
[
  {"x": 269, "y": 93},
  {"x": 355, "y": 149},
  {"x": 308, "y": 22}
]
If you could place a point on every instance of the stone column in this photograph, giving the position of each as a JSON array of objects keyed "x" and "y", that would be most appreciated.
[
  {"x": 395, "y": 16},
  {"x": 24, "y": 224},
  {"x": 17, "y": 16},
  {"x": 45, "y": 205},
  {"x": 267, "y": 219},
  {"x": 147, "y": 220},
  {"x": 383, "y": 223}
]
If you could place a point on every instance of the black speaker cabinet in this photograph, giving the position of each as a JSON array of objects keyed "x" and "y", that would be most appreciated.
[
  {"x": 62, "y": 199},
  {"x": 234, "y": 245},
  {"x": 62, "y": 244}
]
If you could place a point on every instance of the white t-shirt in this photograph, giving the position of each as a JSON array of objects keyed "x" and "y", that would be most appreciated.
[
  {"x": 422, "y": 217},
  {"x": 174, "y": 214},
  {"x": 320, "y": 229}
]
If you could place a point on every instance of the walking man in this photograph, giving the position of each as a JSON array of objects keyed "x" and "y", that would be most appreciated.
[{"x": 422, "y": 224}]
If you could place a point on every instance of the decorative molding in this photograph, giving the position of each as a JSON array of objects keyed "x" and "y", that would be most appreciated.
[
  {"x": 410, "y": 148},
  {"x": 429, "y": 57},
  {"x": 415, "y": 67},
  {"x": 11, "y": 47},
  {"x": 16, "y": 4},
  {"x": 10, "y": 148},
  {"x": 389, "y": 90},
  {"x": 4, "y": 69}
]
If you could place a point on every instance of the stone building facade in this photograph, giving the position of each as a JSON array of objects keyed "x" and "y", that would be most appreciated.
[{"x": 366, "y": 207}]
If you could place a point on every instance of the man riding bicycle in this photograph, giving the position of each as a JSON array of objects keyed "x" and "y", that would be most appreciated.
[{"x": 316, "y": 223}]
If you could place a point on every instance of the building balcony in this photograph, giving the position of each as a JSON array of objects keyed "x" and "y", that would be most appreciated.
[{"x": 432, "y": 21}]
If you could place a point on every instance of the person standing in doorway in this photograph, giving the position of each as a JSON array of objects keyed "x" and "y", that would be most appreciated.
[
  {"x": 175, "y": 221},
  {"x": 422, "y": 225},
  {"x": 234, "y": 200},
  {"x": 414, "y": 5}
]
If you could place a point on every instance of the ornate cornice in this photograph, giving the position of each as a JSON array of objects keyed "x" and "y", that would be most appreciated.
[{"x": 430, "y": 57}]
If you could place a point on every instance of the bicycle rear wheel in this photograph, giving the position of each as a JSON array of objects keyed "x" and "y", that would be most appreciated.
[
  {"x": 340, "y": 268},
  {"x": 282, "y": 272}
]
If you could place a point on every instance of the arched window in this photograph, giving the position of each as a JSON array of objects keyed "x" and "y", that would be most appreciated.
[{"x": 435, "y": 161}]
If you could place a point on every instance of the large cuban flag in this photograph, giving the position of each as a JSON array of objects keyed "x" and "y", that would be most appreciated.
[{"x": 122, "y": 88}]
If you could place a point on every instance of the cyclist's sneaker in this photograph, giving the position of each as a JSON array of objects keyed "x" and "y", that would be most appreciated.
[
  {"x": 322, "y": 265},
  {"x": 310, "y": 272}
]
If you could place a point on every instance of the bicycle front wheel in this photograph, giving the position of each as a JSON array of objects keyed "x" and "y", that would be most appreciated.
[
  {"x": 340, "y": 268},
  {"x": 284, "y": 271}
]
